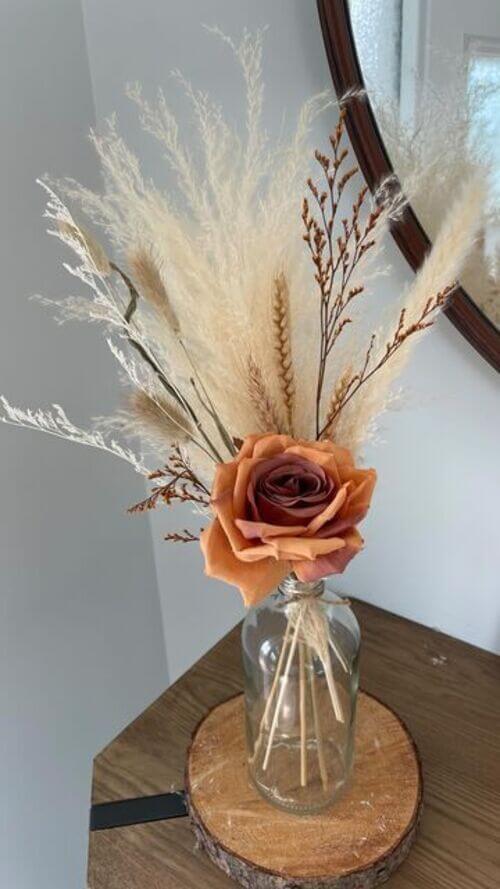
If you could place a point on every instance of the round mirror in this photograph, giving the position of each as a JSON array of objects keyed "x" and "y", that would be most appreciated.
[{"x": 426, "y": 79}]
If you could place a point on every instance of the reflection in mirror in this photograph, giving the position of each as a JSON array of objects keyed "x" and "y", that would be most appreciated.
[{"x": 432, "y": 71}]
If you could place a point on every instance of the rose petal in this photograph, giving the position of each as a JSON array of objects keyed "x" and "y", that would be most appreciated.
[
  {"x": 253, "y": 530},
  {"x": 329, "y": 512},
  {"x": 223, "y": 508},
  {"x": 334, "y": 563},
  {"x": 322, "y": 458},
  {"x": 242, "y": 486},
  {"x": 247, "y": 447},
  {"x": 255, "y": 581},
  {"x": 222, "y": 501},
  {"x": 270, "y": 445},
  {"x": 277, "y": 514},
  {"x": 357, "y": 503},
  {"x": 302, "y": 547}
]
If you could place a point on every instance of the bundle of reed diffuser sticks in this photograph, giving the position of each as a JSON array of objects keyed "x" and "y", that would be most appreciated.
[{"x": 307, "y": 636}]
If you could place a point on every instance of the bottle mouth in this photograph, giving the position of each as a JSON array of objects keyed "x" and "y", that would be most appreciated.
[{"x": 292, "y": 587}]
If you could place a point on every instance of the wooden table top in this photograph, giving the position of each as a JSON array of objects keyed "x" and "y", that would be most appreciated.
[{"x": 447, "y": 692}]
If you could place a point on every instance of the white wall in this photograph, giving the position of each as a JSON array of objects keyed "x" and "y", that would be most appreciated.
[
  {"x": 81, "y": 646},
  {"x": 432, "y": 534}
]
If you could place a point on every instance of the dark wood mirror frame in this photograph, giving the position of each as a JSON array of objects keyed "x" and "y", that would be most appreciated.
[{"x": 375, "y": 165}]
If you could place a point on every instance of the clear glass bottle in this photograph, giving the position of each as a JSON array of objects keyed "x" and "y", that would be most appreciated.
[{"x": 300, "y": 656}]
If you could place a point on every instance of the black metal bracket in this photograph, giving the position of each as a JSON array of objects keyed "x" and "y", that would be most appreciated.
[{"x": 125, "y": 812}]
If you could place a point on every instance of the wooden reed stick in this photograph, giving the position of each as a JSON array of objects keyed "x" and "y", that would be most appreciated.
[
  {"x": 282, "y": 690},
  {"x": 332, "y": 688},
  {"x": 317, "y": 724},
  {"x": 338, "y": 651},
  {"x": 303, "y": 748},
  {"x": 265, "y": 717}
]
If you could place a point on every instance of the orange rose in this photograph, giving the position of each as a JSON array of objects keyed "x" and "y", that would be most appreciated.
[{"x": 284, "y": 505}]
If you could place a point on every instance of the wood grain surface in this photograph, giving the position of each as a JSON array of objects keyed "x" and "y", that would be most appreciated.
[
  {"x": 448, "y": 694},
  {"x": 357, "y": 842}
]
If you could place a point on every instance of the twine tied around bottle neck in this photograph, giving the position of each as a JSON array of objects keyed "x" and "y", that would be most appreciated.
[
  {"x": 308, "y": 622},
  {"x": 295, "y": 591}
]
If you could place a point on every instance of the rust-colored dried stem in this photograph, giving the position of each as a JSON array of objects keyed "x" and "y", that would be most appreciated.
[
  {"x": 335, "y": 256},
  {"x": 402, "y": 332},
  {"x": 178, "y": 482},
  {"x": 183, "y": 536}
]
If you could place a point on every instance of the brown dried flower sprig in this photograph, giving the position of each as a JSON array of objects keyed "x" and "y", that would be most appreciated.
[
  {"x": 178, "y": 483},
  {"x": 335, "y": 256},
  {"x": 350, "y": 383}
]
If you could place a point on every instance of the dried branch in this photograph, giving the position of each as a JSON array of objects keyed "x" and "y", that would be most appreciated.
[
  {"x": 183, "y": 536},
  {"x": 178, "y": 483},
  {"x": 335, "y": 258},
  {"x": 401, "y": 334}
]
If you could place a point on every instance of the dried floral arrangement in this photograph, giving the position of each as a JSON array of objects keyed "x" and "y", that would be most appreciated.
[
  {"x": 238, "y": 308},
  {"x": 242, "y": 320}
]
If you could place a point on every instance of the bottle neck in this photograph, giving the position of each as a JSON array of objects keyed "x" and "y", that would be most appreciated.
[{"x": 293, "y": 588}]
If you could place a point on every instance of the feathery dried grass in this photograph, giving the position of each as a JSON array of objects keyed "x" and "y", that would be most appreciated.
[
  {"x": 72, "y": 233},
  {"x": 157, "y": 420},
  {"x": 150, "y": 284},
  {"x": 457, "y": 236},
  {"x": 222, "y": 239}
]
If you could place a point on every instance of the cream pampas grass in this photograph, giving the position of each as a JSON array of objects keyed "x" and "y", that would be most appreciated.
[
  {"x": 149, "y": 282},
  {"x": 157, "y": 420},
  {"x": 73, "y": 234},
  {"x": 442, "y": 267}
]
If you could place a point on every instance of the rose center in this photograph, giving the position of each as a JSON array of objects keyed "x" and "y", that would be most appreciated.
[{"x": 291, "y": 485}]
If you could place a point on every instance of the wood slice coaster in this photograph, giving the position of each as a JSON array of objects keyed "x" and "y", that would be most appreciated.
[{"x": 355, "y": 844}]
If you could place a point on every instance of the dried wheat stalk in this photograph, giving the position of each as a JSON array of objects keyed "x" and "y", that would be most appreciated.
[
  {"x": 283, "y": 347},
  {"x": 338, "y": 395},
  {"x": 265, "y": 408}
]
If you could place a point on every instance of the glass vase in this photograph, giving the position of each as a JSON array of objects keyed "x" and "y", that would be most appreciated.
[{"x": 300, "y": 656}]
